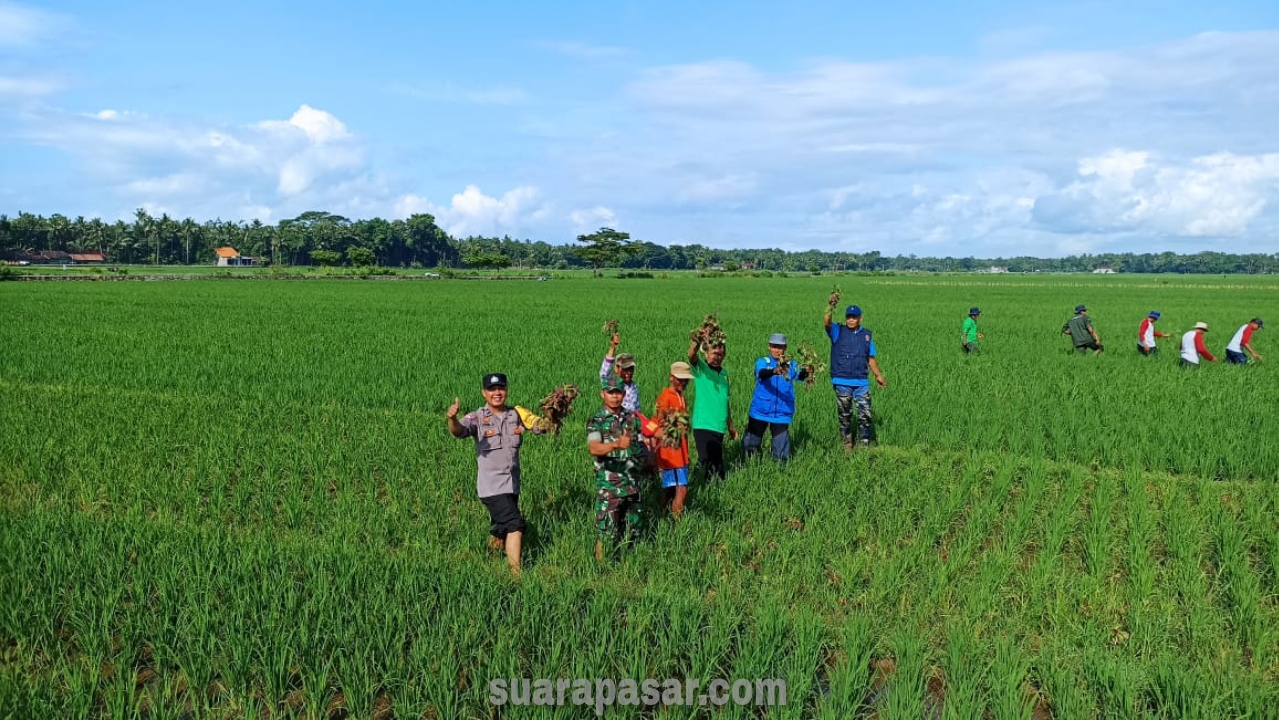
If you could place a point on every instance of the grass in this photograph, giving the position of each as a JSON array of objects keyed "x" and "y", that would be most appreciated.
[{"x": 226, "y": 499}]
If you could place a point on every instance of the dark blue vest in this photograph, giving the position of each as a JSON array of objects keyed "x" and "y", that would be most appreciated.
[{"x": 850, "y": 354}]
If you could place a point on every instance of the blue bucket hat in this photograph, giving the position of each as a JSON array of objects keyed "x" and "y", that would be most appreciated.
[
  {"x": 853, "y": 311},
  {"x": 1080, "y": 308},
  {"x": 1154, "y": 315},
  {"x": 975, "y": 311}
]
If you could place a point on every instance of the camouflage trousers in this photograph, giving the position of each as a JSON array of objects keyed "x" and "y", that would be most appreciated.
[
  {"x": 617, "y": 517},
  {"x": 850, "y": 400}
]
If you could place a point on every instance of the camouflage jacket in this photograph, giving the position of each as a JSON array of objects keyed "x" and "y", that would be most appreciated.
[{"x": 619, "y": 471}]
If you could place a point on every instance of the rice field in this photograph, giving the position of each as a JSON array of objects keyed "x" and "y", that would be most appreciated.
[{"x": 234, "y": 499}]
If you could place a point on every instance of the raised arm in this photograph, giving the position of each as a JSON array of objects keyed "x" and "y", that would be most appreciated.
[
  {"x": 455, "y": 428},
  {"x": 692, "y": 353}
]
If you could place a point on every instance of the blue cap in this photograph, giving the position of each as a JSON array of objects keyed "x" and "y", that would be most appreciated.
[
  {"x": 1080, "y": 308},
  {"x": 1154, "y": 315},
  {"x": 853, "y": 311},
  {"x": 975, "y": 311}
]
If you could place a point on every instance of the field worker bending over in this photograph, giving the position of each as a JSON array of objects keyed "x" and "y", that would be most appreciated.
[
  {"x": 1147, "y": 333},
  {"x": 852, "y": 360},
  {"x": 773, "y": 404},
  {"x": 1081, "y": 332},
  {"x": 712, "y": 415},
  {"x": 624, "y": 366},
  {"x": 498, "y": 430},
  {"x": 1243, "y": 341},
  {"x": 613, "y": 439},
  {"x": 1192, "y": 346},
  {"x": 968, "y": 335}
]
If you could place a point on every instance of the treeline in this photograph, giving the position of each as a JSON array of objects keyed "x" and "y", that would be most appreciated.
[{"x": 320, "y": 238}]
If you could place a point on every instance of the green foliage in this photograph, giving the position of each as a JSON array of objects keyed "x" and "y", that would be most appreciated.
[
  {"x": 360, "y": 256},
  {"x": 326, "y": 258},
  {"x": 486, "y": 260},
  {"x": 606, "y": 248}
]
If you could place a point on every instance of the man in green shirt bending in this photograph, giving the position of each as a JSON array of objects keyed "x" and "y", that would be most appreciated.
[
  {"x": 968, "y": 334},
  {"x": 1081, "y": 332}
]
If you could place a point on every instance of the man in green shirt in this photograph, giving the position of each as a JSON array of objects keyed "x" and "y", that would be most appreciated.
[
  {"x": 1081, "y": 332},
  {"x": 712, "y": 416},
  {"x": 968, "y": 334}
]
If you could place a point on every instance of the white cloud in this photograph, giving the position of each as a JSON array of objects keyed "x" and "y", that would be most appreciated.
[
  {"x": 983, "y": 155},
  {"x": 1213, "y": 196},
  {"x": 22, "y": 26},
  {"x": 728, "y": 187},
  {"x": 27, "y": 88},
  {"x": 581, "y": 50},
  {"x": 310, "y": 160},
  {"x": 471, "y": 212},
  {"x": 448, "y": 93},
  {"x": 591, "y": 219}
]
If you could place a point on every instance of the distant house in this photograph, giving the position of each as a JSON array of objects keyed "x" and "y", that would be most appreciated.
[
  {"x": 52, "y": 257},
  {"x": 230, "y": 257},
  {"x": 994, "y": 269},
  {"x": 1104, "y": 271},
  {"x": 88, "y": 257}
]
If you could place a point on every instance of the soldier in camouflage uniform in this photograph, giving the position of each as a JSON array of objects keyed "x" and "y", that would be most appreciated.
[{"x": 613, "y": 439}]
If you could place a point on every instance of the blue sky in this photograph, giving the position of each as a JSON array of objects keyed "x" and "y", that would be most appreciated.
[{"x": 982, "y": 128}]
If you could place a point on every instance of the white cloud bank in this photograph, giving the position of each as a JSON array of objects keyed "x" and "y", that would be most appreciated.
[{"x": 1168, "y": 146}]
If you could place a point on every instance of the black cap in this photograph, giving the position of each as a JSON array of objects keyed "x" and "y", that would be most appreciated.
[
  {"x": 1258, "y": 321},
  {"x": 494, "y": 380}
]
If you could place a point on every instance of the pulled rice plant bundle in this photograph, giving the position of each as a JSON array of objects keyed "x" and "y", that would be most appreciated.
[
  {"x": 809, "y": 360},
  {"x": 833, "y": 301},
  {"x": 555, "y": 407},
  {"x": 674, "y": 426},
  {"x": 709, "y": 334},
  {"x": 610, "y": 326}
]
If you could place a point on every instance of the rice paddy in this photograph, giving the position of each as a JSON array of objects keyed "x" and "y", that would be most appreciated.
[{"x": 235, "y": 499}]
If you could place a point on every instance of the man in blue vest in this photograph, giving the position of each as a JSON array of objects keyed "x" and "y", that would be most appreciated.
[{"x": 852, "y": 361}]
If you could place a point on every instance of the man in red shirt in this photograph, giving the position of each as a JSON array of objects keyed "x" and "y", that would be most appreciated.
[
  {"x": 1193, "y": 348},
  {"x": 1243, "y": 341},
  {"x": 1147, "y": 333}
]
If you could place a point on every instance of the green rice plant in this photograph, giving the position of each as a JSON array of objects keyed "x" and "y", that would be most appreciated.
[
  {"x": 849, "y": 676},
  {"x": 1011, "y": 697},
  {"x": 905, "y": 694},
  {"x": 967, "y": 673}
]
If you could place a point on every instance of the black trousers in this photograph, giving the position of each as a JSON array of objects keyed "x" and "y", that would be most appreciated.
[{"x": 710, "y": 453}]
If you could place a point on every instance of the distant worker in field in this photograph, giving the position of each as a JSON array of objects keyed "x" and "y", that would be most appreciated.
[
  {"x": 712, "y": 414},
  {"x": 773, "y": 404},
  {"x": 672, "y": 458},
  {"x": 498, "y": 430},
  {"x": 852, "y": 361},
  {"x": 1243, "y": 341},
  {"x": 969, "y": 337},
  {"x": 1147, "y": 333},
  {"x": 613, "y": 439},
  {"x": 1081, "y": 332},
  {"x": 624, "y": 366},
  {"x": 1193, "y": 348}
]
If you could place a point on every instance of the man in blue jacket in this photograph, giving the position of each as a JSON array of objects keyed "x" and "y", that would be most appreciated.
[
  {"x": 852, "y": 361},
  {"x": 773, "y": 404}
]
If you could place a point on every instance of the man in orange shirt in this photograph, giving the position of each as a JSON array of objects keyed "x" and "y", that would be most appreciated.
[{"x": 672, "y": 461}]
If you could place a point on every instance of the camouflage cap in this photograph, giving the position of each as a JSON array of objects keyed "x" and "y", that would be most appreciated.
[{"x": 612, "y": 382}]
